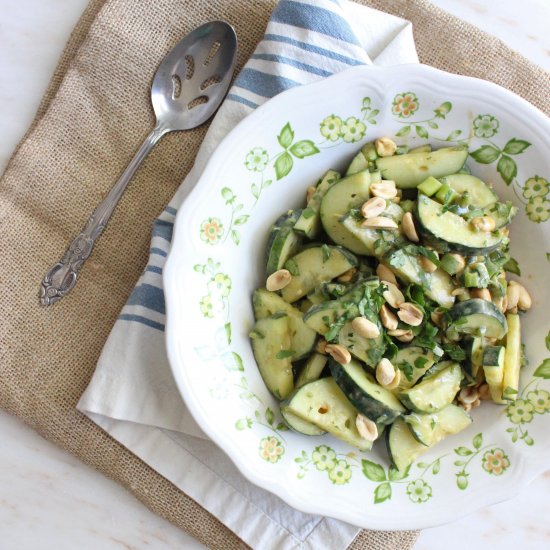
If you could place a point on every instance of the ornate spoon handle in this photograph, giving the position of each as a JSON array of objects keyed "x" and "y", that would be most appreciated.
[{"x": 61, "y": 278}]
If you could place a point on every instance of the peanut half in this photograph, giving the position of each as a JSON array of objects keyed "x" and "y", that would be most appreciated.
[
  {"x": 366, "y": 427},
  {"x": 385, "y": 274},
  {"x": 410, "y": 314},
  {"x": 278, "y": 280},
  {"x": 365, "y": 328},
  {"x": 384, "y": 189},
  {"x": 407, "y": 223},
  {"x": 339, "y": 353},
  {"x": 373, "y": 207}
]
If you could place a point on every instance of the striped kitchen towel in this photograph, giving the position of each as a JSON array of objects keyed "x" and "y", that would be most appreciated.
[{"x": 132, "y": 394}]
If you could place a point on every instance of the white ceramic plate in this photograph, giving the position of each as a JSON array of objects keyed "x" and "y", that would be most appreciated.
[{"x": 263, "y": 168}]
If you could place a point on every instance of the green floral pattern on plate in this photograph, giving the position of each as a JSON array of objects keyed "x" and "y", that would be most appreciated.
[
  {"x": 530, "y": 402},
  {"x": 337, "y": 467}
]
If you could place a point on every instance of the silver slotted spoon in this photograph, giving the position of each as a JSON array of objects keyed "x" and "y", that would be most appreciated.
[{"x": 187, "y": 89}]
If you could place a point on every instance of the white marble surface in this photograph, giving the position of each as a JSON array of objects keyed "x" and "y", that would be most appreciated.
[{"x": 50, "y": 500}]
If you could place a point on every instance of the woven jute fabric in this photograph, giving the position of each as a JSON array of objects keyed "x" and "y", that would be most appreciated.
[{"x": 92, "y": 118}]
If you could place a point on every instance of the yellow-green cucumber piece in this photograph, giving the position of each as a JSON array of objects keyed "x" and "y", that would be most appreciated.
[
  {"x": 312, "y": 369},
  {"x": 347, "y": 193},
  {"x": 309, "y": 222},
  {"x": 473, "y": 346},
  {"x": 430, "y": 428},
  {"x": 413, "y": 168},
  {"x": 372, "y": 400},
  {"x": 271, "y": 348},
  {"x": 369, "y": 236},
  {"x": 358, "y": 164},
  {"x": 313, "y": 266},
  {"x": 434, "y": 392},
  {"x": 413, "y": 362},
  {"x": 299, "y": 425},
  {"x": 320, "y": 316},
  {"x": 437, "y": 285},
  {"x": 477, "y": 317},
  {"x": 282, "y": 242},
  {"x": 479, "y": 193},
  {"x": 493, "y": 368},
  {"x": 368, "y": 350},
  {"x": 447, "y": 231},
  {"x": 402, "y": 447},
  {"x": 512, "y": 358},
  {"x": 430, "y": 186},
  {"x": 302, "y": 337},
  {"x": 426, "y": 148},
  {"x": 324, "y": 404}
]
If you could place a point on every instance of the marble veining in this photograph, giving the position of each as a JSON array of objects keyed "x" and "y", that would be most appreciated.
[{"x": 48, "y": 499}]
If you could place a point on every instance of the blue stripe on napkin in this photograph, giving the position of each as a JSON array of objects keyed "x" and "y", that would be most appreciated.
[{"x": 303, "y": 42}]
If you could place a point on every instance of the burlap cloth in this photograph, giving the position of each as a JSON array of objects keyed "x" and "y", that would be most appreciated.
[{"x": 92, "y": 118}]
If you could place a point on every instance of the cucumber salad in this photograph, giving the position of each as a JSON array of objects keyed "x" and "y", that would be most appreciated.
[{"x": 387, "y": 311}]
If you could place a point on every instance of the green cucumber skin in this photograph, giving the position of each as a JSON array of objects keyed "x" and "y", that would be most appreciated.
[
  {"x": 281, "y": 231},
  {"x": 448, "y": 379},
  {"x": 312, "y": 370},
  {"x": 358, "y": 164},
  {"x": 429, "y": 429},
  {"x": 493, "y": 356},
  {"x": 366, "y": 404},
  {"x": 309, "y": 224},
  {"x": 411, "y": 169},
  {"x": 402, "y": 447},
  {"x": 302, "y": 337},
  {"x": 480, "y": 193},
  {"x": 299, "y": 425},
  {"x": 431, "y": 217},
  {"x": 276, "y": 373},
  {"x": 306, "y": 401},
  {"x": 477, "y": 306},
  {"x": 347, "y": 193}
]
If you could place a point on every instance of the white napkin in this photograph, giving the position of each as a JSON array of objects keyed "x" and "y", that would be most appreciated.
[{"x": 132, "y": 394}]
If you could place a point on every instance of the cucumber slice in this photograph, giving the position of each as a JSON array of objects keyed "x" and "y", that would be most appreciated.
[
  {"x": 302, "y": 337},
  {"x": 493, "y": 368},
  {"x": 413, "y": 362},
  {"x": 282, "y": 242},
  {"x": 312, "y": 369},
  {"x": 322, "y": 403},
  {"x": 297, "y": 424},
  {"x": 271, "y": 347},
  {"x": 402, "y": 447},
  {"x": 447, "y": 231},
  {"x": 314, "y": 266},
  {"x": 348, "y": 193},
  {"x": 477, "y": 317},
  {"x": 479, "y": 193},
  {"x": 413, "y": 168},
  {"x": 320, "y": 316},
  {"x": 309, "y": 222},
  {"x": 437, "y": 285},
  {"x": 473, "y": 346},
  {"x": 435, "y": 392},
  {"x": 426, "y": 148},
  {"x": 430, "y": 429},
  {"x": 358, "y": 164},
  {"x": 369, "y": 236},
  {"x": 368, "y": 350},
  {"x": 360, "y": 387},
  {"x": 512, "y": 358}
]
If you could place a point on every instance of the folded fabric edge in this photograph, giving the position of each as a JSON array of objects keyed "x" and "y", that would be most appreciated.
[{"x": 229, "y": 506}]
